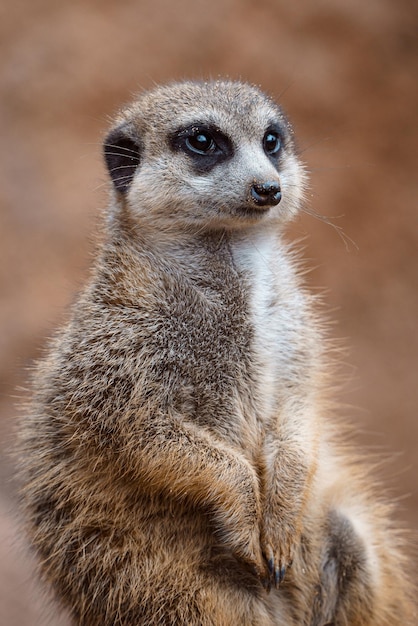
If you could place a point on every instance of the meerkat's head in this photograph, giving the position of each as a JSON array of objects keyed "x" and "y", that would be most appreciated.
[{"x": 205, "y": 155}]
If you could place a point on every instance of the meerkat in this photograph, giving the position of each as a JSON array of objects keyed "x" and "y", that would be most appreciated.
[{"x": 179, "y": 455}]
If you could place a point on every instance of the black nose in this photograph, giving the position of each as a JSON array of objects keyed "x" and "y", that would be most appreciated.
[{"x": 266, "y": 194}]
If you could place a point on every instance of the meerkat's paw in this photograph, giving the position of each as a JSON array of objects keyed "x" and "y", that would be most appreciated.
[
  {"x": 277, "y": 544},
  {"x": 249, "y": 552}
]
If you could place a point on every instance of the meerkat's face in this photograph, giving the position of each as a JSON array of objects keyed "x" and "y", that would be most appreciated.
[{"x": 205, "y": 155}]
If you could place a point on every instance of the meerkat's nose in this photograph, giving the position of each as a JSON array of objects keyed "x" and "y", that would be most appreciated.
[{"x": 266, "y": 194}]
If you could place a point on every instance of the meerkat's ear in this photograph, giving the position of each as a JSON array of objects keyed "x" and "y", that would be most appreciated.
[{"x": 122, "y": 155}]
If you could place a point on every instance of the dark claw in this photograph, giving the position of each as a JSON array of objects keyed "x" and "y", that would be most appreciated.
[
  {"x": 270, "y": 564},
  {"x": 279, "y": 575},
  {"x": 266, "y": 584}
]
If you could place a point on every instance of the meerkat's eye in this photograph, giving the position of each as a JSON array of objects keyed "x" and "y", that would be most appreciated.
[
  {"x": 201, "y": 142},
  {"x": 272, "y": 142},
  {"x": 205, "y": 146}
]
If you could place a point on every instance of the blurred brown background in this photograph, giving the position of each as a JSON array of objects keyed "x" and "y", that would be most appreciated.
[{"x": 346, "y": 74}]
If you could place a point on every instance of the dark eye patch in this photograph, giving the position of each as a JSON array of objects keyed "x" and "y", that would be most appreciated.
[
  {"x": 274, "y": 140},
  {"x": 204, "y": 144}
]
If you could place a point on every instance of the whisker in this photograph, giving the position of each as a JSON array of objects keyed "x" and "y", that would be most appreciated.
[
  {"x": 125, "y": 156},
  {"x": 118, "y": 147},
  {"x": 338, "y": 229},
  {"x": 285, "y": 89},
  {"x": 122, "y": 177},
  {"x": 101, "y": 186},
  {"x": 121, "y": 167},
  {"x": 313, "y": 144},
  {"x": 117, "y": 180}
]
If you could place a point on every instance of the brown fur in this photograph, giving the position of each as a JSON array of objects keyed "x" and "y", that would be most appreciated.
[{"x": 178, "y": 456}]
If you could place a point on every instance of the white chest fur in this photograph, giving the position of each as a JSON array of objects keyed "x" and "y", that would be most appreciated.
[{"x": 272, "y": 308}]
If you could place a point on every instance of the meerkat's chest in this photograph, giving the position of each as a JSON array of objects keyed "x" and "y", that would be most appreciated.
[{"x": 275, "y": 319}]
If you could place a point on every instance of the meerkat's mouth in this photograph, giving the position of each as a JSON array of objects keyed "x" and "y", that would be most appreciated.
[{"x": 252, "y": 212}]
